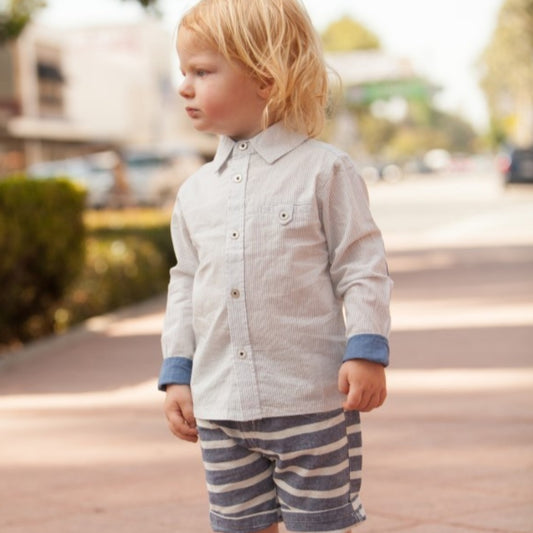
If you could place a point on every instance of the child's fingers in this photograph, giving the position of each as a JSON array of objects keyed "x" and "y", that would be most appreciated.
[
  {"x": 354, "y": 399},
  {"x": 179, "y": 412},
  {"x": 187, "y": 413},
  {"x": 359, "y": 399},
  {"x": 180, "y": 427}
]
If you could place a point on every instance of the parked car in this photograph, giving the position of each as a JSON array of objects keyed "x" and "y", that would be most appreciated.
[
  {"x": 377, "y": 171},
  {"x": 155, "y": 176},
  {"x": 134, "y": 177},
  {"x": 517, "y": 167},
  {"x": 95, "y": 173}
]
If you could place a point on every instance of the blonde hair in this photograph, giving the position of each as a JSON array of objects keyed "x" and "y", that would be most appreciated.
[{"x": 276, "y": 42}]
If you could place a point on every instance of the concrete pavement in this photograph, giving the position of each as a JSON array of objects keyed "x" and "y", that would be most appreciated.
[{"x": 84, "y": 446}]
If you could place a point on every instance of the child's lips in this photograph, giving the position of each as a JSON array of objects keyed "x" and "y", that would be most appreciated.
[{"x": 192, "y": 111}]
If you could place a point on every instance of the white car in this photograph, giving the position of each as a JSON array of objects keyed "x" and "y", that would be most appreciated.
[{"x": 95, "y": 173}]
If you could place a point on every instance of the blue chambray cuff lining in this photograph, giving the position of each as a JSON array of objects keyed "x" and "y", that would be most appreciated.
[
  {"x": 368, "y": 346},
  {"x": 175, "y": 370}
]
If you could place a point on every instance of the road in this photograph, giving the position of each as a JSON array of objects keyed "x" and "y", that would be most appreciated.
[
  {"x": 460, "y": 251},
  {"x": 84, "y": 446}
]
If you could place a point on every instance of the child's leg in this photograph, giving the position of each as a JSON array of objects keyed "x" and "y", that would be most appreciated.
[
  {"x": 242, "y": 494},
  {"x": 318, "y": 471},
  {"x": 303, "y": 469}
]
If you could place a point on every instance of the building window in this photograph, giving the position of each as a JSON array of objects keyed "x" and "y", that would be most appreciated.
[{"x": 50, "y": 86}]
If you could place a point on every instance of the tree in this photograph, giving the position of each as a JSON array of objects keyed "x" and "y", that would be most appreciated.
[
  {"x": 507, "y": 71},
  {"x": 18, "y": 13},
  {"x": 14, "y": 17},
  {"x": 347, "y": 34}
]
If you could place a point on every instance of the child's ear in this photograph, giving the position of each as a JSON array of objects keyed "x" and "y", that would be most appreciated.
[{"x": 264, "y": 89}]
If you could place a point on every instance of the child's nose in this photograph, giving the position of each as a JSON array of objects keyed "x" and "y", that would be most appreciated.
[{"x": 185, "y": 88}]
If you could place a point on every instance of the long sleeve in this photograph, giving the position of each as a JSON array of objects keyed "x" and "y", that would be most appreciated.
[
  {"x": 358, "y": 266},
  {"x": 178, "y": 340},
  {"x": 281, "y": 276}
]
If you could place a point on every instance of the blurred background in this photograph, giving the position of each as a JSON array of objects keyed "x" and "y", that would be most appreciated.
[
  {"x": 425, "y": 85},
  {"x": 88, "y": 93},
  {"x": 436, "y": 109}
]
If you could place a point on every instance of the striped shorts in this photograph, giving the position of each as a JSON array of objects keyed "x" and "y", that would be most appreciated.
[{"x": 304, "y": 470}]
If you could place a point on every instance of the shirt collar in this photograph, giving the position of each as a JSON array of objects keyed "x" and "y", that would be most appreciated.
[{"x": 270, "y": 144}]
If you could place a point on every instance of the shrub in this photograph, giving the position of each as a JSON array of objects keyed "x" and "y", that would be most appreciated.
[
  {"x": 117, "y": 272},
  {"x": 42, "y": 241},
  {"x": 128, "y": 256}
]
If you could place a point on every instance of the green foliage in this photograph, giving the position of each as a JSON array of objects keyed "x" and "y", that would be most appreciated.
[
  {"x": 375, "y": 132},
  {"x": 116, "y": 273},
  {"x": 458, "y": 134},
  {"x": 508, "y": 57},
  {"x": 347, "y": 34},
  {"x": 116, "y": 258},
  {"x": 423, "y": 129},
  {"x": 15, "y": 16},
  {"x": 41, "y": 238},
  {"x": 506, "y": 63},
  {"x": 18, "y": 13},
  {"x": 146, "y": 224},
  {"x": 128, "y": 257}
]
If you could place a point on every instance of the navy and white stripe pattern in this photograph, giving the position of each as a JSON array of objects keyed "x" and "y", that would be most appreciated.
[{"x": 304, "y": 470}]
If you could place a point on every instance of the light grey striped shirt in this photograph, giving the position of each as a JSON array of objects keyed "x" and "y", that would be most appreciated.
[{"x": 273, "y": 238}]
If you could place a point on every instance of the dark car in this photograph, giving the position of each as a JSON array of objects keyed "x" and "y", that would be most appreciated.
[{"x": 518, "y": 167}]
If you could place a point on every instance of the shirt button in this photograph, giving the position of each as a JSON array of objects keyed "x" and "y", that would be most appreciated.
[
  {"x": 243, "y": 146},
  {"x": 283, "y": 216},
  {"x": 241, "y": 354},
  {"x": 237, "y": 178},
  {"x": 234, "y": 234},
  {"x": 235, "y": 293}
]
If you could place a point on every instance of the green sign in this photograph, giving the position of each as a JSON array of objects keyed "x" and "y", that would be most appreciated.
[{"x": 410, "y": 89}]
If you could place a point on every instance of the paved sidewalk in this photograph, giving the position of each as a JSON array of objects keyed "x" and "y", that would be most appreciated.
[{"x": 84, "y": 446}]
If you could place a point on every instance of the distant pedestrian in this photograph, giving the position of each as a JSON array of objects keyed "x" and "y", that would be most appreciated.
[{"x": 275, "y": 334}]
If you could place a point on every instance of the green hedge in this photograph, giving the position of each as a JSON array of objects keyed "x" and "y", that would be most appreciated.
[
  {"x": 118, "y": 271},
  {"x": 42, "y": 239},
  {"x": 128, "y": 256},
  {"x": 61, "y": 264}
]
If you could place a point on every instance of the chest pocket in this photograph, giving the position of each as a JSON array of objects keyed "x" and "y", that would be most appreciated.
[
  {"x": 287, "y": 224},
  {"x": 285, "y": 214}
]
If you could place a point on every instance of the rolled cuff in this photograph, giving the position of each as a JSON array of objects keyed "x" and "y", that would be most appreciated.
[
  {"x": 368, "y": 346},
  {"x": 175, "y": 371}
]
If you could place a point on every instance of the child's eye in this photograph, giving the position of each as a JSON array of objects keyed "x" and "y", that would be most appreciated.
[{"x": 201, "y": 73}]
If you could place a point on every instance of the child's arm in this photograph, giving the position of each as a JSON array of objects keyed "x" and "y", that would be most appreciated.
[
  {"x": 364, "y": 384},
  {"x": 178, "y": 340},
  {"x": 179, "y": 412},
  {"x": 360, "y": 278}
]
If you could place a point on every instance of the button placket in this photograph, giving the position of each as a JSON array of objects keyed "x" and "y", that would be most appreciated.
[{"x": 244, "y": 366}]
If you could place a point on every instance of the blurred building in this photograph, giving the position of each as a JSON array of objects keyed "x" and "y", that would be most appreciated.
[
  {"x": 373, "y": 75},
  {"x": 70, "y": 92},
  {"x": 379, "y": 81}
]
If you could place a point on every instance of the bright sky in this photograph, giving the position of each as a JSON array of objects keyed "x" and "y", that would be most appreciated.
[{"x": 443, "y": 38}]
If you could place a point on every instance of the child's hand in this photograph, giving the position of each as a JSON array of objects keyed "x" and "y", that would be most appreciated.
[
  {"x": 179, "y": 413},
  {"x": 364, "y": 384}
]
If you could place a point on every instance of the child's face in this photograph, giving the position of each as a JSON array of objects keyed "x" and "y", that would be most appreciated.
[{"x": 220, "y": 97}]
